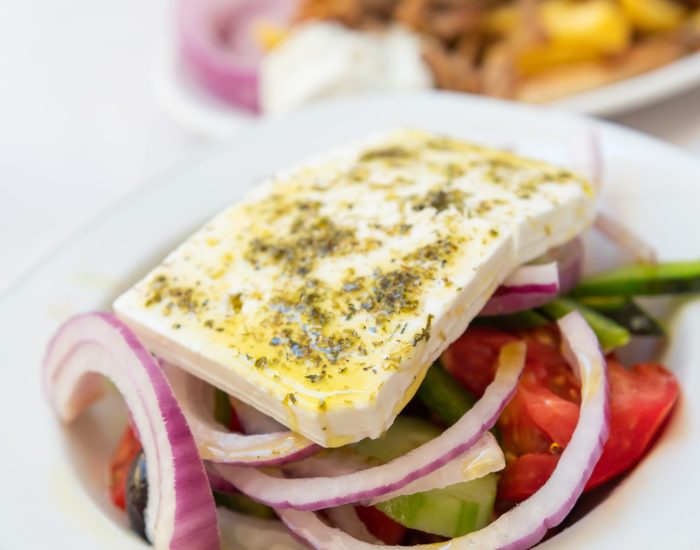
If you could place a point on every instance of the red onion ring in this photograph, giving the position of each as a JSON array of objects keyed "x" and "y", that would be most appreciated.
[
  {"x": 252, "y": 420},
  {"x": 252, "y": 533},
  {"x": 217, "y": 47},
  {"x": 346, "y": 519},
  {"x": 484, "y": 457},
  {"x": 526, "y": 524},
  {"x": 533, "y": 285},
  {"x": 180, "y": 514},
  {"x": 216, "y": 444},
  {"x": 528, "y": 287},
  {"x": 617, "y": 233},
  {"x": 587, "y": 157},
  {"x": 385, "y": 479}
]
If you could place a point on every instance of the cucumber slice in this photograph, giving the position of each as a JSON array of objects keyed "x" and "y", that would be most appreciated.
[
  {"x": 405, "y": 434},
  {"x": 609, "y": 333},
  {"x": 444, "y": 396},
  {"x": 625, "y": 312},
  {"x": 449, "y": 512},
  {"x": 637, "y": 280}
]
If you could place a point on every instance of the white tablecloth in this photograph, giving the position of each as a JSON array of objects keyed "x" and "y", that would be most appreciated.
[{"x": 79, "y": 127}]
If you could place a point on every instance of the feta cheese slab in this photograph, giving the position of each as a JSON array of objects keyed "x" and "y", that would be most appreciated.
[{"x": 322, "y": 297}]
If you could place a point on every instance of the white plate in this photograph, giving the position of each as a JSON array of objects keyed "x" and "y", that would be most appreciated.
[
  {"x": 639, "y": 91},
  {"x": 49, "y": 502},
  {"x": 184, "y": 100}
]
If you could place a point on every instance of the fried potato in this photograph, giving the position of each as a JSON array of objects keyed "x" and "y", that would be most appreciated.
[
  {"x": 654, "y": 15},
  {"x": 569, "y": 80}
]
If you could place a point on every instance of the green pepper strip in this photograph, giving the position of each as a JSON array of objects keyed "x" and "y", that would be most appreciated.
[
  {"x": 643, "y": 280},
  {"x": 609, "y": 333}
]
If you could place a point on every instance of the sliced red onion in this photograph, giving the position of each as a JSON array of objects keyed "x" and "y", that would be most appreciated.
[
  {"x": 616, "y": 232},
  {"x": 217, "y": 444},
  {"x": 534, "y": 285},
  {"x": 587, "y": 157},
  {"x": 241, "y": 531},
  {"x": 218, "y": 47},
  {"x": 531, "y": 278},
  {"x": 332, "y": 463},
  {"x": 180, "y": 514},
  {"x": 346, "y": 519},
  {"x": 526, "y": 524},
  {"x": 569, "y": 258},
  {"x": 482, "y": 458},
  {"x": 252, "y": 420},
  {"x": 387, "y": 479}
]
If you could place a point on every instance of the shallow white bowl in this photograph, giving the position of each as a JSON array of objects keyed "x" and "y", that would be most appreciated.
[{"x": 53, "y": 479}]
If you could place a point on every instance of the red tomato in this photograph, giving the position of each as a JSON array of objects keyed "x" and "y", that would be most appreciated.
[
  {"x": 129, "y": 447},
  {"x": 538, "y": 423},
  {"x": 381, "y": 525},
  {"x": 641, "y": 399},
  {"x": 472, "y": 358},
  {"x": 524, "y": 475},
  {"x": 537, "y": 420}
]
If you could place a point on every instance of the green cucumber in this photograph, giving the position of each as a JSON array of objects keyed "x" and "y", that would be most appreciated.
[
  {"x": 609, "y": 333},
  {"x": 523, "y": 320},
  {"x": 245, "y": 505},
  {"x": 449, "y": 512},
  {"x": 405, "y": 434},
  {"x": 444, "y": 396},
  {"x": 625, "y": 312},
  {"x": 643, "y": 279}
]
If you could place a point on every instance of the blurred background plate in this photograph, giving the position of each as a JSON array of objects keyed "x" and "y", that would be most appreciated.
[
  {"x": 53, "y": 480},
  {"x": 188, "y": 103},
  {"x": 638, "y": 91}
]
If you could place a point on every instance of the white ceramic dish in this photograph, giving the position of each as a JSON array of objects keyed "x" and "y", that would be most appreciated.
[
  {"x": 186, "y": 102},
  {"x": 53, "y": 479}
]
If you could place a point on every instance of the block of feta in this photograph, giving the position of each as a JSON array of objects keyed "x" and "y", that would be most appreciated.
[{"x": 323, "y": 296}]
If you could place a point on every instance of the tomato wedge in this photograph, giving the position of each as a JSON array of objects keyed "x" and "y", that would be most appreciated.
[
  {"x": 381, "y": 525},
  {"x": 538, "y": 423},
  {"x": 129, "y": 446}
]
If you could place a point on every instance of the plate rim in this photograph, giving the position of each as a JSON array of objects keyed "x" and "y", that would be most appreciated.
[{"x": 107, "y": 214}]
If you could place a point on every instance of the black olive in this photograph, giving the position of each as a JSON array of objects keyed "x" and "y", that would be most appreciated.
[{"x": 137, "y": 494}]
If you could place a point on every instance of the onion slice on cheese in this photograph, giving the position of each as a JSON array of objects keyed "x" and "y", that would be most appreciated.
[{"x": 533, "y": 285}]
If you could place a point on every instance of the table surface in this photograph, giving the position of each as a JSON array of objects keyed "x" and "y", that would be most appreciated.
[{"x": 80, "y": 128}]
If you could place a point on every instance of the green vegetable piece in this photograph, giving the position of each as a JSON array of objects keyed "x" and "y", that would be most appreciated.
[
  {"x": 627, "y": 313},
  {"x": 523, "y": 320},
  {"x": 444, "y": 396},
  {"x": 245, "y": 505},
  {"x": 223, "y": 412},
  {"x": 405, "y": 434},
  {"x": 449, "y": 512},
  {"x": 609, "y": 333},
  {"x": 642, "y": 279}
]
